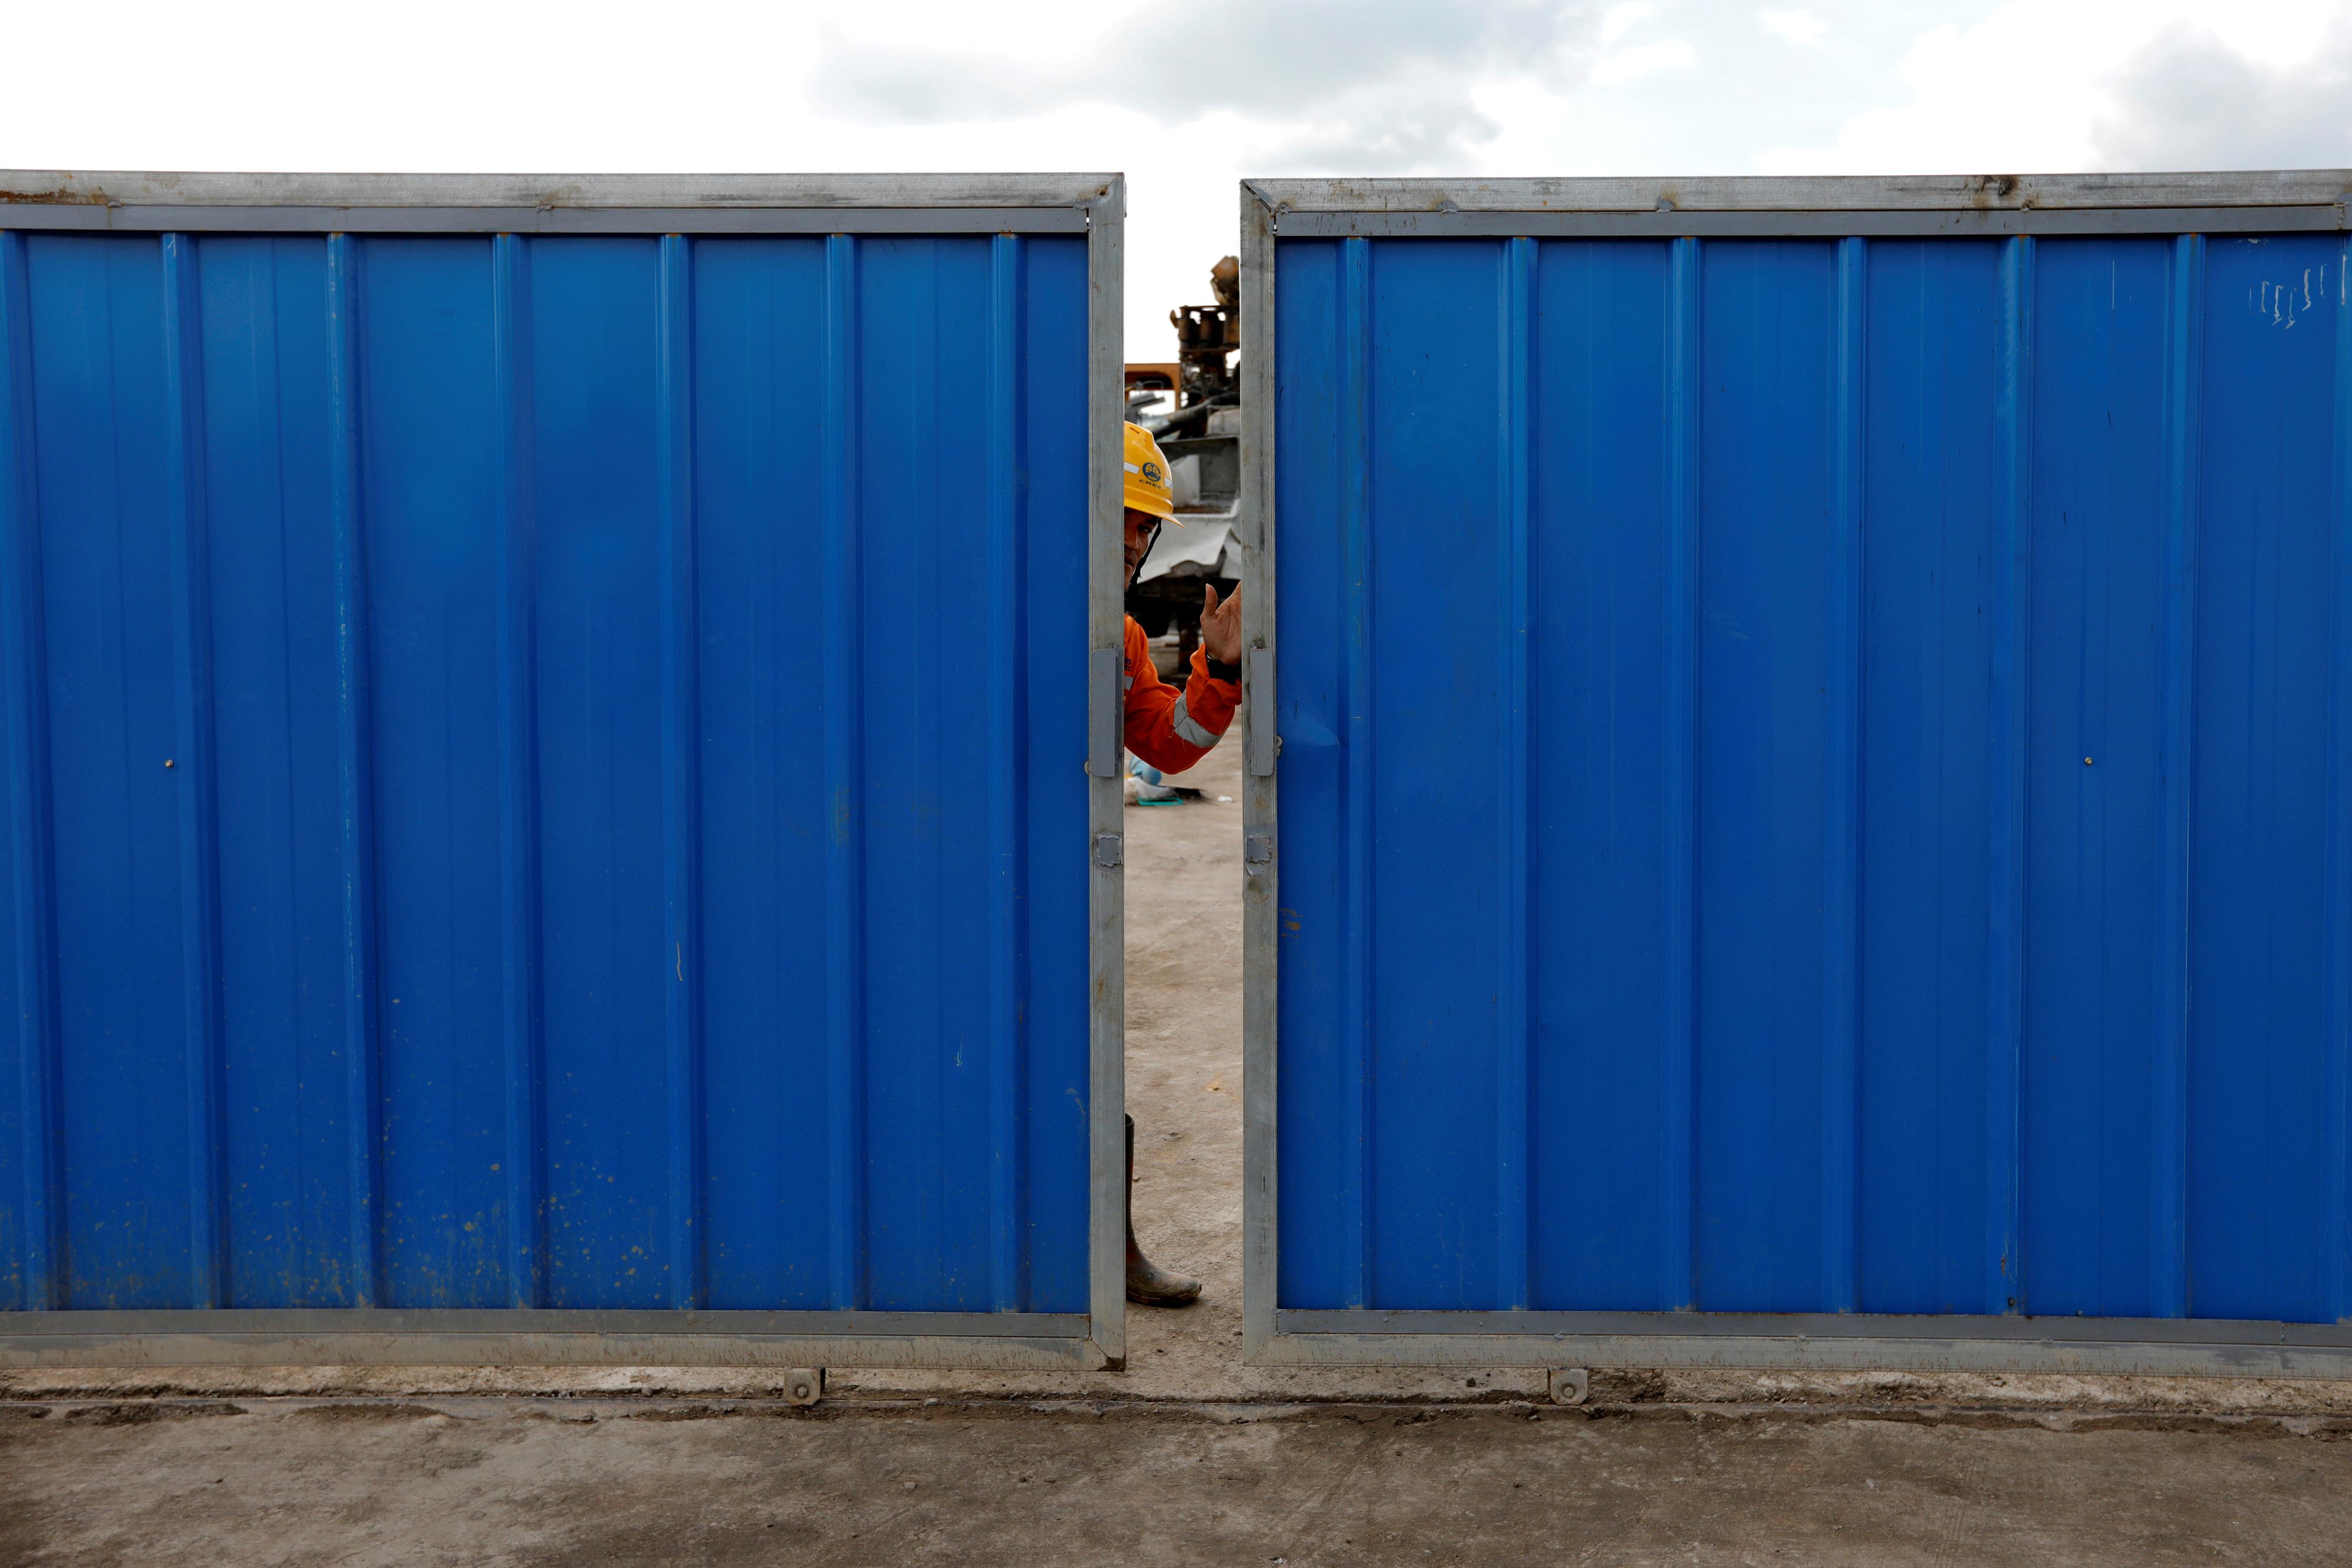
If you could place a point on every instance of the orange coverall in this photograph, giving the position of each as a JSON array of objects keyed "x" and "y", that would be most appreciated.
[{"x": 1172, "y": 730}]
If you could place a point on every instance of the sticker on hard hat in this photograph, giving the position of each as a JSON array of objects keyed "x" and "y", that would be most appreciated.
[{"x": 1152, "y": 474}]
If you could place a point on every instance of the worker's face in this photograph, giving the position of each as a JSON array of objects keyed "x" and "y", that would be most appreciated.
[{"x": 1140, "y": 530}]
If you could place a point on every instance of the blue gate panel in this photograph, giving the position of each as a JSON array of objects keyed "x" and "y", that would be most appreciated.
[
  {"x": 284, "y": 1098},
  {"x": 1768, "y": 584},
  {"x": 2093, "y": 1055},
  {"x": 440, "y": 499},
  {"x": 1596, "y": 836},
  {"x": 1932, "y": 457},
  {"x": 2263, "y": 1148},
  {"x": 763, "y": 702},
  {"x": 1814, "y": 775},
  {"x": 97, "y": 336},
  {"x": 1324, "y": 1146},
  {"x": 543, "y": 772},
  {"x": 1424, "y": 1102}
]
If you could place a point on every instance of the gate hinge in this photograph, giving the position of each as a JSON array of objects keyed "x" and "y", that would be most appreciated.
[
  {"x": 1261, "y": 744},
  {"x": 1257, "y": 854},
  {"x": 1108, "y": 717},
  {"x": 1110, "y": 850}
]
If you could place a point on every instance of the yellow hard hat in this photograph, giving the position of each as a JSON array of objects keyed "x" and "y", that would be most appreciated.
[{"x": 1147, "y": 489}]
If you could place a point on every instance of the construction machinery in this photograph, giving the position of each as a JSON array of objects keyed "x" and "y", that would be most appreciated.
[{"x": 1192, "y": 406}]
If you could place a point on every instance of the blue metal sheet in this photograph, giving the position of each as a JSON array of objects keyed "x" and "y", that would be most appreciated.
[
  {"x": 544, "y": 773},
  {"x": 1816, "y": 775}
]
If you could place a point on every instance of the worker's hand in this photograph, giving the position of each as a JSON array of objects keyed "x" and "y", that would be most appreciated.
[{"x": 1221, "y": 627}]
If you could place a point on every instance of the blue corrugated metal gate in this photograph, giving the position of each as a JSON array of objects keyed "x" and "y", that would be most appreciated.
[
  {"x": 544, "y": 775},
  {"x": 1816, "y": 779}
]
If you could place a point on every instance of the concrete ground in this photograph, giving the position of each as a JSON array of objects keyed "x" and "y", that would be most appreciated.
[
  {"x": 1186, "y": 1457},
  {"x": 488, "y": 1482}
]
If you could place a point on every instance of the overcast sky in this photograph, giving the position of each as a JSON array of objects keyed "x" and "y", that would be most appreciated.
[{"x": 1186, "y": 96}]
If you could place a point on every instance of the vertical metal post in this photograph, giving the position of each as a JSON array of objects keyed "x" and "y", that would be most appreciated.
[
  {"x": 2009, "y": 685},
  {"x": 2168, "y": 1087},
  {"x": 1261, "y": 899},
  {"x": 519, "y": 891},
  {"x": 2336, "y": 999},
  {"x": 1842, "y": 799},
  {"x": 1358, "y": 1024},
  {"x": 24, "y": 706},
  {"x": 845, "y": 956},
  {"x": 355, "y": 774},
  {"x": 190, "y": 553},
  {"x": 1008, "y": 735},
  {"x": 1514, "y": 1031},
  {"x": 1678, "y": 792},
  {"x": 681, "y": 766},
  {"x": 1106, "y": 635}
]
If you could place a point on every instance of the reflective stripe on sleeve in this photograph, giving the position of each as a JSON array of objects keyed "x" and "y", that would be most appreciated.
[{"x": 1186, "y": 727}]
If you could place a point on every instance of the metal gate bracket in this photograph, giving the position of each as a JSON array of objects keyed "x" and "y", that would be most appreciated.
[
  {"x": 1261, "y": 742},
  {"x": 1108, "y": 725},
  {"x": 1257, "y": 854},
  {"x": 804, "y": 1386},
  {"x": 1570, "y": 1385},
  {"x": 1110, "y": 850}
]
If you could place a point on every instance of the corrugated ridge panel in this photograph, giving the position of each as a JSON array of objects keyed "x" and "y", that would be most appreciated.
[
  {"x": 1932, "y": 715},
  {"x": 508, "y": 740}
]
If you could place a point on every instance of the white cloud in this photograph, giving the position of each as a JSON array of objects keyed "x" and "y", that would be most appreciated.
[
  {"x": 2003, "y": 94},
  {"x": 1621, "y": 67},
  {"x": 2032, "y": 86},
  {"x": 1306, "y": 61},
  {"x": 1799, "y": 28},
  {"x": 1186, "y": 101},
  {"x": 2191, "y": 101},
  {"x": 1619, "y": 20}
]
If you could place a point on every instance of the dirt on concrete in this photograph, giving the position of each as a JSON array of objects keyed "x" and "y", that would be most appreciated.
[
  {"x": 489, "y": 1482},
  {"x": 1186, "y": 1456}
]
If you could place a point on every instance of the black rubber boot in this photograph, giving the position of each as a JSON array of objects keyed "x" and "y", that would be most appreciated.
[{"x": 1148, "y": 1284}]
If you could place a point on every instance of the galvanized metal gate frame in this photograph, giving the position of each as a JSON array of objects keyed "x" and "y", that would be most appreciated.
[
  {"x": 2020, "y": 207},
  {"x": 667, "y": 204}
]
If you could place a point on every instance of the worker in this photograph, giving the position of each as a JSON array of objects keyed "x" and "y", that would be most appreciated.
[{"x": 1170, "y": 730}]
